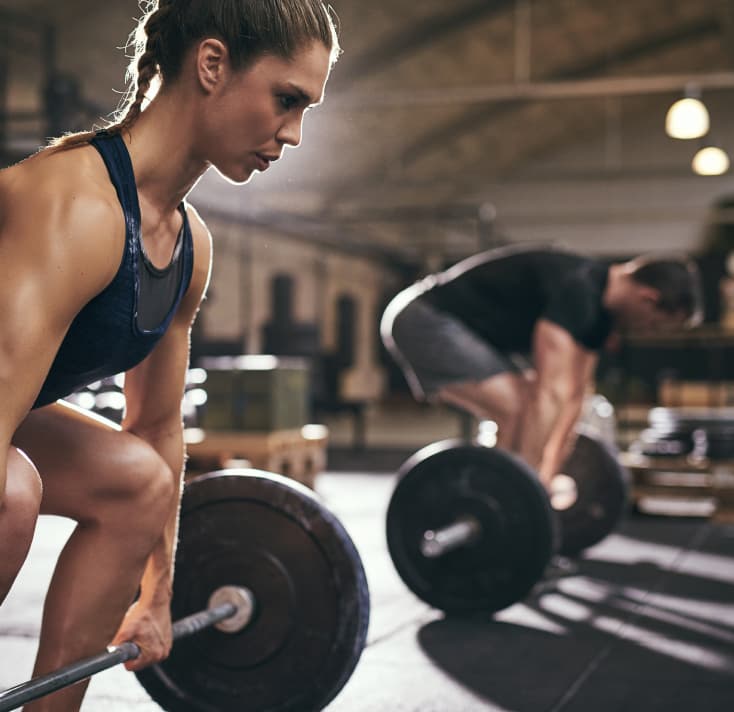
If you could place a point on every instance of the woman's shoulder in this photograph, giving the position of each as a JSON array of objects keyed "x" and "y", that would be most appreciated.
[
  {"x": 69, "y": 189},
  {"x": 62, "y": 203}
]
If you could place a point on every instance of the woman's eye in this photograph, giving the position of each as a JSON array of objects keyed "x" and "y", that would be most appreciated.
[{"x": 287, "y": 101}]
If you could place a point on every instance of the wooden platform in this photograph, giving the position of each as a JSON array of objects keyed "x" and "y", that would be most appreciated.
[
  {"x": 299, "y": 454},
  {"x": 680, "y": 484}
]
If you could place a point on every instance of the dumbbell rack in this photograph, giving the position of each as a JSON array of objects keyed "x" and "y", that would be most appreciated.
[
  {"x": 674, "y": 471},
  {"x": 699, "y": 486}
]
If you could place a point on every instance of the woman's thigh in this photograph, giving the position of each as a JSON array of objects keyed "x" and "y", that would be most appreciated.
[{"x": 85, "y": 460}]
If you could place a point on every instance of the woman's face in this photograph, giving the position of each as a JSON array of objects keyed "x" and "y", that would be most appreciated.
[{"x": 259, "y": 110}]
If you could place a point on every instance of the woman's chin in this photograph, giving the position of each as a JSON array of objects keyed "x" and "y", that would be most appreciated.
[{"x": 236, "y": 176}]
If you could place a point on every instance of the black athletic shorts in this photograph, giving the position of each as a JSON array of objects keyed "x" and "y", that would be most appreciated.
[{"x": 433, "y": 348}]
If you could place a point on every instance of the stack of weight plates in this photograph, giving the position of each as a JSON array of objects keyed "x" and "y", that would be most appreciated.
[{"x": 683, "y": 432}]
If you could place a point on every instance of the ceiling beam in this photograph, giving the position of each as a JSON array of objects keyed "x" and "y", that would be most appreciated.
[
  {"x": 645, "y": 47},
  {"x": 480, "y": 115},
  {"x": 400, "y": 44},
  {"x": 536, "y": 91}
]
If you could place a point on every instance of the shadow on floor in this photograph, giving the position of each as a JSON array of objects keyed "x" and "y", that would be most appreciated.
[{"x": 613, "y": 637}]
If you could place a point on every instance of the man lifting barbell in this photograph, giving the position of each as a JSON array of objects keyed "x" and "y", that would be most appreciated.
[
  {"x": 458, "y": 335},
  {"x": 470, "y": 527},
  {"x": 104, "y": 268}
]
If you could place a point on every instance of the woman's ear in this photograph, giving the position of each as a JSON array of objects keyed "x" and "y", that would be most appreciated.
[{"x": 212, "y": 63}]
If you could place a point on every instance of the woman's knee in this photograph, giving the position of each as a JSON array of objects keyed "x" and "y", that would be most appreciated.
[
  {"x": 20, "y": 503},
  {"x": 153, "y": 477},
  {"x": 21, "y": 499},
  {"x": 142, "y": 484}
]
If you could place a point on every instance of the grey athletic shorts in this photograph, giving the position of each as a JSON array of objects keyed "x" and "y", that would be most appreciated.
[{"x": 433, "y": 348}]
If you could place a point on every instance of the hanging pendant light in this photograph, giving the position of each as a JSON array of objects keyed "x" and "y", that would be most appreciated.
[
  {"x": 687, "y": 118},
  {"x": 710, "y": 160}
]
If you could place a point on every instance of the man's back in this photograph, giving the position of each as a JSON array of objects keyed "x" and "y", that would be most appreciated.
[{"x": 501, "y": 294}]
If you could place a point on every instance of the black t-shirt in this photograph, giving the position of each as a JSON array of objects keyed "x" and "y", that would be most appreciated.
[{"x": 501, "y": 294}]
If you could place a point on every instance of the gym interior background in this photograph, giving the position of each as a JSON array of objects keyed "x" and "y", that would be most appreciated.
[{"x": 449, "y": 128}]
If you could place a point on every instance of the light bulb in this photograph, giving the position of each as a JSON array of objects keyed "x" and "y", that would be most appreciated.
[
  {"x": 710, "y": 161},
  {"x": 687, "y": 118}
]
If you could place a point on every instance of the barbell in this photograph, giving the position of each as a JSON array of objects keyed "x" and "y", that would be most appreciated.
[
  {"x": 227, "y": 604},
  {"x": 270, "y": 600},
  {"x": 470, "y": 528}
]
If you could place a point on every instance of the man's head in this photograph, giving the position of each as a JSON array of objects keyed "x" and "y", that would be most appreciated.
[{"x": 655, "y": 292}]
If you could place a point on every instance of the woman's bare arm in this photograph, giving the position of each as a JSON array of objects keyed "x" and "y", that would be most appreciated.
[{"x": 153, "y": 392}]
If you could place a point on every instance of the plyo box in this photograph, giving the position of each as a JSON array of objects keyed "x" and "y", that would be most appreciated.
[{"x": 255, "y": 393}]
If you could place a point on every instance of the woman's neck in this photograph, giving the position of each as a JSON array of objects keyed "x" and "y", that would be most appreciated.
[{"x": 161, "y": 147}]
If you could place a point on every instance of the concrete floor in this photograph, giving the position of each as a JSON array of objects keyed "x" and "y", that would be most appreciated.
[{"x": 645, "y": 622}]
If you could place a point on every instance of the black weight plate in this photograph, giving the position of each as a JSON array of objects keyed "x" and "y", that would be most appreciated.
[
  {"x": 602, "y": 486},
  {"x": 449, "y": 479},
  {"x": 253, "y": 529},
  {"x": 688, "y": 419},
  {"x": 670, "y": 444},
  {"x": 720, "y": 447}
]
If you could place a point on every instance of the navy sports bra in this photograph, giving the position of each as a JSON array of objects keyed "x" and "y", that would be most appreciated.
[{"x": 106, "y": 338}]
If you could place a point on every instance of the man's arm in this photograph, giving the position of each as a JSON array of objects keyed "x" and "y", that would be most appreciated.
[
  {"x": 564, "y": 370},
  {"x": 153, "y": 394}
]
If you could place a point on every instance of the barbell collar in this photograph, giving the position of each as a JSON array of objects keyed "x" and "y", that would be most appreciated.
[{"x": 244, "y": 602}]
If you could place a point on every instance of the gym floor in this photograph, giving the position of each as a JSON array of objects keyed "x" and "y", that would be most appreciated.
[{"x": 644, "y": 621}]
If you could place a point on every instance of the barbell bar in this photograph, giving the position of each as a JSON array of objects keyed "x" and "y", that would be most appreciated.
[
  {"x": 233, "y": 603},
  {"x": 592, "y": 469},
  {"x": 438, "y": 542}
]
